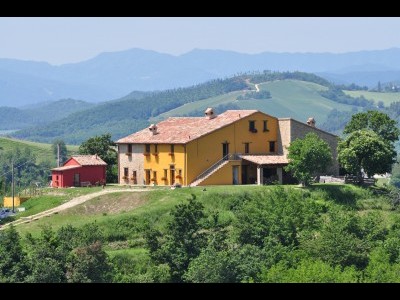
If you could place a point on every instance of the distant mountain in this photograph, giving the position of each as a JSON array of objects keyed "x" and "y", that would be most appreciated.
[
  {"x": 39, "y": 114},
  {"x": 114, "y": 74}
]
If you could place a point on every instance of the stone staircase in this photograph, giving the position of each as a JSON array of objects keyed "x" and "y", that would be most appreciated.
[{"x": 214, "y": 168}]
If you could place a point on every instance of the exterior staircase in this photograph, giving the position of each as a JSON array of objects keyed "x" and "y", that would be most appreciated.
[{"x": 214, "y": 168}]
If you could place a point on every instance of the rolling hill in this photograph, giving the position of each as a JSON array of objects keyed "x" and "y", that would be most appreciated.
[
  {"x": 42, "y": 151},
  {"x": 17, "y": 118},
  {"x": 114, "y": 74},
  {"x": 293, "y": 95},
  {"x": 386, "y": 98}
]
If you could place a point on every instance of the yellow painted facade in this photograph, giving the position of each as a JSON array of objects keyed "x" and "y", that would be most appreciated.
[
  {"x": 225, "y": 175},
  {"x": 8, "y": 201},
  {"x": 163, "y": 167},
  {"x": 207, "y": 150}
]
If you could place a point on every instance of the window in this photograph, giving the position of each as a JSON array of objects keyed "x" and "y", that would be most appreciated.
[
  {"x": 154, "y": 176},
  {"x": 165, "y": 173},
  {"x": 246, "y": 147},
  {"x": 129, "y": 148},
  {"x": 147, "y": 148},
  {"x": 134, "y": 174},
  {"x": 172, "y": 149},
  {"x": 155, "y": 148},
  {"x": 252, "y": 126},
  {"x": 126, "y": 172},
  {"x": 265, "y": 125},
  {"x": 271, "y": 146}
]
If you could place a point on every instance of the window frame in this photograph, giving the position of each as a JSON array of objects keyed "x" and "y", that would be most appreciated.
[
  {"x": 265, "y": 125},
  {"x": 273, "y": 147},
  {"x": 246, "y": 148},
  {"x": 147, "y": 148}
]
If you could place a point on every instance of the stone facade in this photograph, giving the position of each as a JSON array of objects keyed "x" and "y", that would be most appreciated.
[
  {"x": 133, "y": 161},
  {"x": 290, "y": 130}
]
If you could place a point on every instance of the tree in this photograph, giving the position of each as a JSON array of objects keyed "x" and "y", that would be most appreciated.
[
  {"x": 183, "y": 241},
  {"x": 13, "y": 267},
  {"x": 378, "y": 122},
  {"x": 63, "y": 150},
  {"x": 103, "y": 146},
  {"x": 364, "y": 149},
  {"x": 88, "y": 264},
  {"x": 308, "y": 156}
]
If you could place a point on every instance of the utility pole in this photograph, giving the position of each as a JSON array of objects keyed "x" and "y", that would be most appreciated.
[
  {"x": 12, "y": 183},
  {"x": 58, "y": 155}
]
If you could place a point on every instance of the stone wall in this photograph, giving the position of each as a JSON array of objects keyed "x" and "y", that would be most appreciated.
[
  {"x": 134, "y": 162},
  {"x": 290, "y": 130}
]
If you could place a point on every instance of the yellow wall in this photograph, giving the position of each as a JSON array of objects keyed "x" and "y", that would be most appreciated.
[
  {"x": 163, "y": 161},
  {"x": 207, "y": 150},
  {"x": 224, "y": 175},
  {"x": 8, "y": 201}
]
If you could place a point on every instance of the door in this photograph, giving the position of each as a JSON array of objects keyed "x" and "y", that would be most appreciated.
[
  {"x": 147, "y": 177},
  {"x": 172, "y": 175},
  {"x": 225, "y": 150},
  {"x": 244, "y": 174},
  {"x": 77, "y": 180},
  {"x": 235, "y": 174}
]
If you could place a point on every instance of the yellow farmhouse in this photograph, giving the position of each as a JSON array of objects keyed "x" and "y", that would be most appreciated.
[{"x": 235, "y": 147}]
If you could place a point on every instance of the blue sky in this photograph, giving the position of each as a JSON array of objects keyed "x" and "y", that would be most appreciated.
[{"x": 67, "y": 40}]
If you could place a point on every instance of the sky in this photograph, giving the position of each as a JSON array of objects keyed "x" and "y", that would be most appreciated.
[{"x": 60, "y": 40}]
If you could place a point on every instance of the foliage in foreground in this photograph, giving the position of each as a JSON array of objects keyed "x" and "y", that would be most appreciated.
[
  {"x": 276, "y": 234},
  {"x": 307, "y": 157}
]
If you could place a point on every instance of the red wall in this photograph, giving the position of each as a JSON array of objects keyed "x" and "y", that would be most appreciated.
[{"x": 87, "y": 173}]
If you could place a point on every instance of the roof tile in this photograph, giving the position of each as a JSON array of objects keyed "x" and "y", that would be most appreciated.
[{"x": 181, "y": 130}]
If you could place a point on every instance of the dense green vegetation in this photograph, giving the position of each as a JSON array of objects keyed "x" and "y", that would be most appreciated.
[
  {"x": 308, "y": 156},
  {"x": 370, "y": 145},
  {"x": 337, "y": 95},
  {"x": 323, "y": 233}
]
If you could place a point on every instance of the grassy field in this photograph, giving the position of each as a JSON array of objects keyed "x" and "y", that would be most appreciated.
[
  {"x": 290, "y": 98},
  {"x": 114, "y": 212},
  {"x": 42, "y": 151},
  {"x": 386, "y": 98}
]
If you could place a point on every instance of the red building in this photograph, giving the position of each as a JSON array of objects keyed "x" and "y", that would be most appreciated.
[{"x": 80, "y": 170}]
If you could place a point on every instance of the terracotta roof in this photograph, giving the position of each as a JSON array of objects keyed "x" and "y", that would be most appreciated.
[
  {"x": 181, "y": 130},
  {"x": 89, "y": 160},
  {"x": 66, "y": 168},
  {"x": 266, "y": 159}
]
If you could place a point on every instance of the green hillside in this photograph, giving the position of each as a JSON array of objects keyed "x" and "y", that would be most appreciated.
[
  {"x": 323, "y": 233},
  {"x": 290, "y": 98},
  {"x": 386, "y": 98},
  {"x": 39, "y": 114},
  {"x": 42, "y": 151}
]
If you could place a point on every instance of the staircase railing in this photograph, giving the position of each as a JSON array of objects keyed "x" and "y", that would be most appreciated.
[{"x": 233, "y": 156}]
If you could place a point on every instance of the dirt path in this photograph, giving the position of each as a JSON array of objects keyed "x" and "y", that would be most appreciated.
[{"x": 73, "y": 202}]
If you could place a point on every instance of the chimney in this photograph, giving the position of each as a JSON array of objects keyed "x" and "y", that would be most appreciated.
[
  {"x": 209, "y": 113},
  {"x": 153, "y": 129},
  {"x": 311, "y": 122}
]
